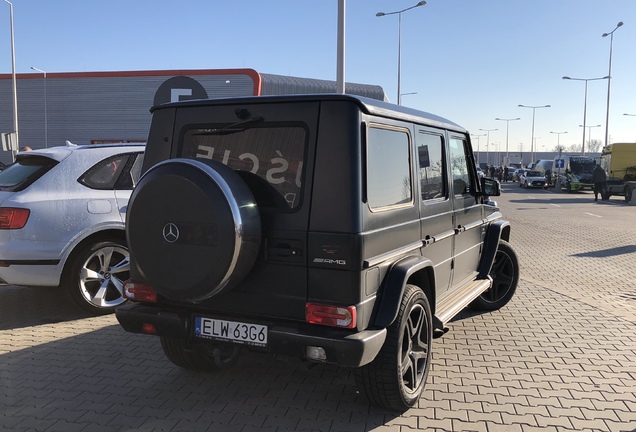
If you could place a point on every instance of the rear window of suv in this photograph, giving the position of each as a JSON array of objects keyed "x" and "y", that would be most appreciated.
[
  {"x": 273, "y": 153},
  {"x": 19, "y": 175}
]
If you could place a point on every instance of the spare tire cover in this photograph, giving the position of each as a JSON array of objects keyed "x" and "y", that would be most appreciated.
[{"x": 193, "y": 228}]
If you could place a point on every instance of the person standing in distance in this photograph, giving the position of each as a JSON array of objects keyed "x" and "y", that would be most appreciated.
[{"x": 599, "y": 178}]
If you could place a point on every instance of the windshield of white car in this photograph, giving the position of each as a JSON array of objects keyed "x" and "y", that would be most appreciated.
[{"x": 533, "y": 174}]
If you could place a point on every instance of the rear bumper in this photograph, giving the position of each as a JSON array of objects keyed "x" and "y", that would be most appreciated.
[
  {"x": 30, "y": 273},
  {"x": 344, "y": 348}
]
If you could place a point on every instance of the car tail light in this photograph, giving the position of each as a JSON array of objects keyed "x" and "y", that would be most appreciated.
[
  {"x": 139, "y": 292},
  {"x": 330, "y": 315},
  {"x": 148, "y": 328},
  {"x": 13, "y": 218}
]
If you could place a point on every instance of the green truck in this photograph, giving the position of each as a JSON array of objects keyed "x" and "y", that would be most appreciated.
[{"x": 576, "y": 172}]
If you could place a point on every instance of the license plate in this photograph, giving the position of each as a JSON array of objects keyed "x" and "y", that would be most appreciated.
[{"x": 245, "y": 333}]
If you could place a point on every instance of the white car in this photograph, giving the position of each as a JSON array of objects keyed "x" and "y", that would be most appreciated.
[
  {"x": 532, "y": 179},
  {"x": 62, "y": 213}
]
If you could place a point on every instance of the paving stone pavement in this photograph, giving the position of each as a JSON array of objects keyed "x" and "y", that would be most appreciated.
[{"x": 559, "y": 357}]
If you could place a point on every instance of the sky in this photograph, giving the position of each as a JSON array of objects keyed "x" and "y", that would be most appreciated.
[{"x": 467, "y": 60}]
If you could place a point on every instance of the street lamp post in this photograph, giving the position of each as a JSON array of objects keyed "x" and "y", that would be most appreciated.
[
  {"x": 534, "y": 108},
  {"x": 406, "y": 94},
  {"x": 584, "y": 104},
  {"x": 498, "y": 154},
  {"x": 535, "y": 144},
  {"x": 46, "y": 126},
  {"x": 558, "y": 134},
  {"x": 609, "y": 78},
  {"x": 380, "y": 14},
  {"x": 340, "y": 50},
  {"x": 507, "y": 124},
  {"x": 478, "y": 153},
  {"x": 589, "y": 135},
  {"x": 633, "y": 115},
  {"x": 15, "y": 93},
  {"x": 487, "y": 141}
]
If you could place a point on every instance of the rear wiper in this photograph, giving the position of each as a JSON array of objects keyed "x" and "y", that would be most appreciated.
[{"x": 230, "y": 129}]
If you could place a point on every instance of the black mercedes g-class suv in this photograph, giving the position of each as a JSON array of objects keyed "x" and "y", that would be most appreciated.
[{"x": 333, "y": 228}]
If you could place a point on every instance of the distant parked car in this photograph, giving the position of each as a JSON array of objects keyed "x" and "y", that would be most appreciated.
[
  {"x": 62, "y": 213},
  {"x": 532, "y": 179},
  {"x": 516, "y": 175}
]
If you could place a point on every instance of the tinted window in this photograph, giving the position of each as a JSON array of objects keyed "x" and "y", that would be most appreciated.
[
  {"x": 388, "y": 168},
  {"x": 104, "y": 174},
  {"x": 431, "y": 165},
  {"x": 459, "y": 166},
  {"x": 24, "y": 171},
  {"x": 582, "y": 164},
  {"x": 273, "y": 154}
]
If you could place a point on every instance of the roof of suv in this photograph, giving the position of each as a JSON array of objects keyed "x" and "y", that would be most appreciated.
[{"x": 368, "y": 105}]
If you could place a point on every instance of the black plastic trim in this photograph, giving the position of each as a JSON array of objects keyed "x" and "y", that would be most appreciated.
[{"x": 491, "y": 243}]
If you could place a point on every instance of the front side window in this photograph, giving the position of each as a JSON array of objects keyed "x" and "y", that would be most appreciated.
[
  {"x": 271, "y": 155},
  {"x": 388, "y": 168},
  {"x": 459, "y": 166}
]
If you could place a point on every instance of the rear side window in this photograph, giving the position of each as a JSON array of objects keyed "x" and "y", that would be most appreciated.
[
  {"x": 389, "y": 182},
  {"x": 430, "y": 151},
  {"x": 269, "y": 158},
  {"x": 111, "y": 173},
  {"x": 24, "y": 172}
]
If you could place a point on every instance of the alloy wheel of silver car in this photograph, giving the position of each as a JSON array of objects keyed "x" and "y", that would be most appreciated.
[{"x": 98, "y": 276}]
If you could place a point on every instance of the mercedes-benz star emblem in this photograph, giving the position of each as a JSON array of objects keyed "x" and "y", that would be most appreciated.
[{"x": 170, "y": 232}]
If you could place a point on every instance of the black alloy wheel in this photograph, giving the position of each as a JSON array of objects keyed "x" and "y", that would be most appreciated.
[
  {"x": 396, "y": 378},
  {"x": 505, "y": 277}
]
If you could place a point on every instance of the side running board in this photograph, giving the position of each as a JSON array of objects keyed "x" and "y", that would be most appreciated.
[{"x": 452, "y": 304}]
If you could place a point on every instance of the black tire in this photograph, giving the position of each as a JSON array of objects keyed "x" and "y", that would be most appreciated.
[
  {"x": 96, "y": 276},
  {"x": 628, "y": 194},
  {"x": 396, "y": 378},
  {"x": 505, "y": 277},
  {"x": 199, "y": 356}
]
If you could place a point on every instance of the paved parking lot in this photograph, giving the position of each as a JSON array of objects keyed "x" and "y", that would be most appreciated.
[{"x": 559, "y": 357}]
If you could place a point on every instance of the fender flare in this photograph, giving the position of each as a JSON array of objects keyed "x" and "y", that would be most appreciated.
[
  {"x": 394, "y": 285},
  {"x": 496, "y": 231}
]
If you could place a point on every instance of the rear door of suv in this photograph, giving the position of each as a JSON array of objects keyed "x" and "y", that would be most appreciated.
[
  {"x": 272, "y": 146},
  {"x": 436, "y": 207}
]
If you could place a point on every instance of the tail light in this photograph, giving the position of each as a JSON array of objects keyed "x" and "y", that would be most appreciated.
[
  {"x": 13, "y": 218},
  {"x": 330, "y": 315},
  {"x": 140, "y": 292}
]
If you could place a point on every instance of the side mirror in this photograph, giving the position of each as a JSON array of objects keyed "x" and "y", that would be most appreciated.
[{"x": 490, "y": 187}]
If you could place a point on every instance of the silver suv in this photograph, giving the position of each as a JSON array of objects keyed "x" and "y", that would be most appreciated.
[{"x": 62, "y": 213}]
